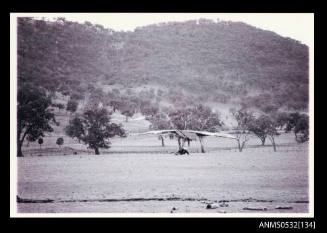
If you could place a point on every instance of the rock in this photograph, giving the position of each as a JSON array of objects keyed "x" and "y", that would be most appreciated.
[
  {"x": 223, "y": 204},
  {"x": 207, "y": 202},
  {"x": 284, "y": 208},
  {"x": 251, "y": 208},
  {"x": 173, "y": 209},
  {"x": 212, "y": 206}
]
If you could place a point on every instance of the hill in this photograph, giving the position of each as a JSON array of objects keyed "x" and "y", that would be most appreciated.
[{"x": 216, "y": 63}]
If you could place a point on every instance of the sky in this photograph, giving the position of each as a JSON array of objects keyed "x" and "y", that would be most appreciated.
[{"x": 298, "y": 26}]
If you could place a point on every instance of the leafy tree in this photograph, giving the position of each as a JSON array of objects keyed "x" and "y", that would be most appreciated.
[
  {"x": 181, "y": 118},
  {"x": 116, "y": 104},
  {"x": 203, "y": 118},
  {"x": 28, "y": 141},
  {"x": 58, "y": 105},
  {"x": 113, "y": 99},
  {"x": 96, "y": 97},
  {"x": 244, "y": 119},
  {"x": 94, "y": 128},
  {"x": 159, "y": 95},
  {"x": 33, "y": 115},
  {"x": 77, "y": 96},
  {"x": 147, "y": 94},
  {"x": 60, "y": 142},
  {"x": 76, "y": 128},
  {"x": 264, "y": 127},
  {"x": 72, "y": 106},
  {"x": 160, "y": 121},
  {"x": 270, "y": 108},
  {"x": 40, "y": 141},
  {"x": 199, "y": 117},
  {"x": 149, "y": 109},
  {"x": 293, "y": 118},
  {"x": 259, "y": 127},
  {"x": 301, "y": 129},
  {"x": 299, "y": 123},
  {"x": 281, "y": 119},
  {"x": 128, "y": 109}
]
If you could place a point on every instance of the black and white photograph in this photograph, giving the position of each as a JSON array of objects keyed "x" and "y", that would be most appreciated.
[{"x": 161, "y": 114}]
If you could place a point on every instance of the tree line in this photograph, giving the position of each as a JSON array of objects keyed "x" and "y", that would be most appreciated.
[{"x": 93, "y": 125}]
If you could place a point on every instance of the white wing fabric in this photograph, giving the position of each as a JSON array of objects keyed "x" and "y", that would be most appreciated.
[
  {"x": 216, "y": 134},
  {"x": 156, "y": 132},
  {"x": 189, "y": 133}
]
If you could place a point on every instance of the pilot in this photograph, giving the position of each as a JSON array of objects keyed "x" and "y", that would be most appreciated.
[{"x": 182, "y": 151}]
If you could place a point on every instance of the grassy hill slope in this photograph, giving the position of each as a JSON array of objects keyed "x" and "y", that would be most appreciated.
[{"x": 219, "y": 62}]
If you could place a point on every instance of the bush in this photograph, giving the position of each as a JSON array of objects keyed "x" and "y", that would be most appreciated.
[{"x": 60, "y": 141}]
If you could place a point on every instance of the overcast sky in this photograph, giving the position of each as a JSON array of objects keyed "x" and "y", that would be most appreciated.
[{"x": 298, "y": 26}]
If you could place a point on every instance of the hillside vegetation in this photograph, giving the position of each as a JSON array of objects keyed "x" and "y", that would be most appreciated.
[{"x": 177, "y": 64}]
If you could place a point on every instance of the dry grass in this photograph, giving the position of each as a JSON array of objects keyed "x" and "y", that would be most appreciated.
[{"x": 151, "y": 171}]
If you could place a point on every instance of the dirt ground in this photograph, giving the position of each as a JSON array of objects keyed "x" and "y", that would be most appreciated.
[{"x": 157, "y": 181}]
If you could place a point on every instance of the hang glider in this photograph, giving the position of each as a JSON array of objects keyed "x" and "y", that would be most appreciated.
[{"x": 188, "y": 135}]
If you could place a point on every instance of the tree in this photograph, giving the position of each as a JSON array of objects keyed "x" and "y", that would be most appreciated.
[
  {"x": 281, "y": 119},
  {"x": 269, "y": 108},
  {"x": 301, "y": 129},
  {"x": 60, "y": 141},
  {"x": 96, "y": 98},
  {"x": 33, "y": 115},
  {"x": 260, "y": 127},
  {"x": 40, "y": 141},
  {"x": 72, "y": 106},
  {"x": 28, "y": 141},
  {"x": 198, "y": 118},
  {"x": 127, "y": 109},
  {"x": 299, "y": 123},
  {"x": 77, "y": 96},
  {"x": 149, "y": 109},
  {"x": 160, "y": 121},
  {"x": 60, "y": 106},
  {"x": 115, "y": 104},
  {"x": 181, "y": 118},
  {"x": 127, "y": 112},
  {"x": 244, "y": 119},
  {"x": 75, "y": 128},
  {"x": 264, "y": 127},
  {"x": 159, "y": 95},
  {"x": 94, "y": 128},
  {"x": 272, "y": 132},
  {"x": 203, "y": 118}
]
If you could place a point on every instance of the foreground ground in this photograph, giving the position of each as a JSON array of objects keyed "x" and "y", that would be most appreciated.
[{"x": 154, "y": 180}]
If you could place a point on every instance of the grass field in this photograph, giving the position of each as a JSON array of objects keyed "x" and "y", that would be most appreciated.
[{"x": 137, "y": 174}]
